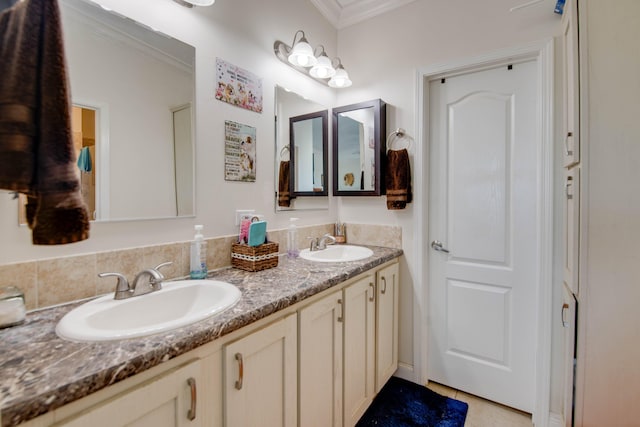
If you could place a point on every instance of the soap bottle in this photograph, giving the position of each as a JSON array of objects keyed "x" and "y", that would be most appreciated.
[
  {"x": 198, "y": 261},
  {"x": 292, "y": 239}
]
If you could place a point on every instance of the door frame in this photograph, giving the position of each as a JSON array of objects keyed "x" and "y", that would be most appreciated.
[{"x": 542, "y": 52}]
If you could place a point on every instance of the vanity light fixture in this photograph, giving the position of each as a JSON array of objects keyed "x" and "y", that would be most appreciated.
[
  {"x": 301, "y": 54},
  {"x": 305, "y": 59},
  {"x": 341, "y": 78},
  {"x": 323, "y": 68},
  {"x": 191, "y": 3}
]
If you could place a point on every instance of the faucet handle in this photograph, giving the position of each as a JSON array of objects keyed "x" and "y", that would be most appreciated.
[
  {"x": 159, "y": 266},
  {"x": 122, "y": 288},
  {"x": 313, "y": 245}
]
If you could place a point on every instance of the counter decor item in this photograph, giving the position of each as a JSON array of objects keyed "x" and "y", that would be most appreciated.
[
  {"x": 340, "y": 232},
  {"x": 198, "y": 255},
  {"x": 254, "y": 258},
  {"x": 12, "y": 308}
]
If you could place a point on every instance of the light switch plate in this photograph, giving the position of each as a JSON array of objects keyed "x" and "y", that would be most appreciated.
[{"x": 242, "y": 213}]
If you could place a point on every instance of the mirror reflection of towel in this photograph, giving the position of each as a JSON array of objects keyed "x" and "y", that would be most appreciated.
[
  {"x": 398, "y": 179},
  {"x": 84, "y": 160},
  {"x": 284, "y": 196},
  {"x": 37, "y": 156}
]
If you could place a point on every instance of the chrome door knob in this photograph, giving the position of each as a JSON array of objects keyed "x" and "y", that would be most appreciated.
[{"x": 437, "y": 245}]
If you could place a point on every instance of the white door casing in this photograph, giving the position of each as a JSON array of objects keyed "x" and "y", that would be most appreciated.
[{"x": 542, "y": 51}]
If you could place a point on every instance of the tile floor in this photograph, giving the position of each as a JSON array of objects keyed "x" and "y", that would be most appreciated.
[{"x": 484, "y": 413}]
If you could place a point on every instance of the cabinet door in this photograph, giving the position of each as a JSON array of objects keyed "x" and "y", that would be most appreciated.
[
  {"x": 359, "y": 348},
  {"x": 572, "y": 228},
  {"x": 168, "y": 400},
  {"x": 320, "y": 358},
  {"x": 386, "y": 324},
  {"x": 571, "y": 81},
  {"x": 569, "y": 325},
  {"x": 260, "y": 382}
]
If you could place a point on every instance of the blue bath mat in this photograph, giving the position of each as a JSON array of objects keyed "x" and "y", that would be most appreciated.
[{"x": 401, "y": 403}]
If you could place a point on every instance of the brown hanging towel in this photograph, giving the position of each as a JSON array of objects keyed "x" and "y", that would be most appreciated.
[
  {"x": 398, "y": 179},
  {"x": 284, "y": 197},
  {"x": 37, "y": 156}
]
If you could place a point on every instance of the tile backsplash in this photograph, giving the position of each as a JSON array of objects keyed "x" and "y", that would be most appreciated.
[{"x": 55, "y": 281}]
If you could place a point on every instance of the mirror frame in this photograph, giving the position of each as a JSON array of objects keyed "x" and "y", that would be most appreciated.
[
  {"x": 324, "y": 115},
  {"x": 380, "y": 131}
]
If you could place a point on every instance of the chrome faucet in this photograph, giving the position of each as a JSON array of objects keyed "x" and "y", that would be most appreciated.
[
  {"x": 320, "y": 243},
  {"x": 152, "y": 283}
]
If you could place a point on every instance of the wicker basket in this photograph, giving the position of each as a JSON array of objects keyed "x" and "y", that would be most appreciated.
[{"x": 254, "y": 258}]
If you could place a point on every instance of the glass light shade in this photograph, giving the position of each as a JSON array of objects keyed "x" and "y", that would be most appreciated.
[
  {"x": 201, "y": 2},
  {"x": 323, "y": 69},
  {"x": 340, "y": 79},
  {"x": 302, "y": 54}
]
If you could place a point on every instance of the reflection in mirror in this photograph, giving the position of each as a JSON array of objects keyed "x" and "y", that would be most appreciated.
[
  {"x": 309, "y": 145},
  {"x": 290, "y": 105},
  {"x": 358, "y": 149},
  {"x": 139, "y": 83}
]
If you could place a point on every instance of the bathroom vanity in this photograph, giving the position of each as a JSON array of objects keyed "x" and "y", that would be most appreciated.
[{"x": 308, "y": 344}]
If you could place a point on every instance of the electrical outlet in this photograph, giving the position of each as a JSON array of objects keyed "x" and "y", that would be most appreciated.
[{"x": 242, "y": 213}]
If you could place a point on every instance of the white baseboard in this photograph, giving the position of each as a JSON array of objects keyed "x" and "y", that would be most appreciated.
[
  {"x": 406, "y": 372},
  {"x": 555, "y": 420}
]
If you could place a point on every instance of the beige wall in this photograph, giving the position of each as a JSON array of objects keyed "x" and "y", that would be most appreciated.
[{"x": 609, "y": 331}]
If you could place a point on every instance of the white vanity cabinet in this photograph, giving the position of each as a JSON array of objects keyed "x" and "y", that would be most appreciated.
[
  {"x": 320, "y": 358},
  {"x": 317, "y": 363},
  {"x": 168, "y": 400},
  {"x": 348, "y": 349},
  {"x": 359, "y": 348},
  {"x": 387, "y": 282},
  {"x": 260, "y": 377}
]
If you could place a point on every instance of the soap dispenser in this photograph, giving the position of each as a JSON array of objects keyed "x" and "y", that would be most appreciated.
[
  {"x": 198, "y": 261},
  {"x": 292, "y": 239}
]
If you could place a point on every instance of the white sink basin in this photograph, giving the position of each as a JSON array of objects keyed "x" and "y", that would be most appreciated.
[
  {"x": 177, "y": 304},
  {"x": 337, "y": 253}
]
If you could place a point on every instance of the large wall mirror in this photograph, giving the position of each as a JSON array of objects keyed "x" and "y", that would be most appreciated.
[
  {"x": 133, "y": 91},
  {"x": 301, "y": 152},
  {"x": 358, "y": 149}
]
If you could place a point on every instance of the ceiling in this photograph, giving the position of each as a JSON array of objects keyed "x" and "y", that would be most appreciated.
[{"x": 342, "y": 13}]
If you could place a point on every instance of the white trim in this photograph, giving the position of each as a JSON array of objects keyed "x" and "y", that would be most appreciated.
[
  {"x": 542, "y": 51},
  {"x": 555, "y": 420},
  {"x": 103, "y": 159},
  {"x": 356, "y": 11}
]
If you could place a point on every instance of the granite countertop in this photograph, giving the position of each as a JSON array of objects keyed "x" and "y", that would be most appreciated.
[{"x": 40, "y": 372}]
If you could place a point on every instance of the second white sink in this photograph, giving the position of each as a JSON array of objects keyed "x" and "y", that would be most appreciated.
[
  {"x": 337, "y": 253},
  {"x": 177, "y": 304}
]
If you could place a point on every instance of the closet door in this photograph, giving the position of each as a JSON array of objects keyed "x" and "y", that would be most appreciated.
[
  {"x": 571, "y": 85},
  {"x": 572, "y": 228}
]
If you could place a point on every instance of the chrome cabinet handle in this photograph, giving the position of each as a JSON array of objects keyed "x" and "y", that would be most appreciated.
[
  {"x": 568, "y": 185},
  {"x": 191, "y": 415},
  {"x": 566, "y": 144},
  {"x": 373, "y": 292},
  {"x": 565, "y": 307},
  {"x": 341, "y": 316},
  {"x": 240, "y": 371},
  {"x": 437, "y": 245},
  {"x": 384, "y": 285}
]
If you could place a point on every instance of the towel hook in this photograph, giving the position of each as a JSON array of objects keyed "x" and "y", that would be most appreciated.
[
  {"x": 398, "y": 135},
  {"x": 284, "y": 151}
]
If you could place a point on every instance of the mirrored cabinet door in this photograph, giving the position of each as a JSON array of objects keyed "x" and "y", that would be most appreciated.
[
  {"x": 309, "y": 154},
  {"x": 358, "y": 149}
]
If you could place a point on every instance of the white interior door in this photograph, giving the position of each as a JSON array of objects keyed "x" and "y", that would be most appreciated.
[{"x": 483, "y": 209}]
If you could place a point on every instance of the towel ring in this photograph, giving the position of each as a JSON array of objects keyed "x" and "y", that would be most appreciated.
[
  {"x": 398, "y": 135},
  {"x": 285, "y": 150}
]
